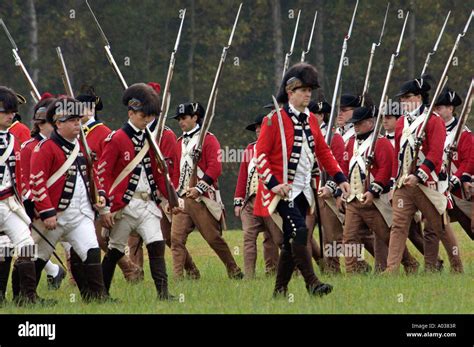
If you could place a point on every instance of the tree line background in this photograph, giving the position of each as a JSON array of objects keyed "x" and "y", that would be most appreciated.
[{"x": 142, "y": 35}]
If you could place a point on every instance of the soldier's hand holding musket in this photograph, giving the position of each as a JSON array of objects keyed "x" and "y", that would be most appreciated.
[
  {"x": 368, "y": 198},
  {"x": 282, "y": 190},
  {"x": 325, "y": 193},
  {"x": 411, "y": 181},
  {"x": 50, "y": 223}
]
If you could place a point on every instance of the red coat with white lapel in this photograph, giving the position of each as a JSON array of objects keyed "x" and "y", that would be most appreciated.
[
  {"x": 270, "y": 158},
  {"x": 381, "y": 169},
  {"x": 463, "y": 160},
  {"x": 209, "y": 162},
  {"x": 14, "y": 163},
  {"x": 241, "y": 188},
  {"x": 432, "y": 148},
  {"x": 118, "y": 152},
  {"x": 46, "y": 159}
]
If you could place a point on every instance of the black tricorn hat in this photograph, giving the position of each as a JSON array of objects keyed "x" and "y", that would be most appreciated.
[
  {"x": 350, "y": 100},
  {"x": 190, "y": 109},
  {"x": 448, "y": 97},
  {"x": 417, "y": 86},
  {"x": 362, "y": 113},
  {"x": 298, "y": 76},
  {"x": 87, "y": 94},
  {"x": 8, "y": 100},
  {"x": 258, "y": 121},
  {"x": 319, "y": 107}
]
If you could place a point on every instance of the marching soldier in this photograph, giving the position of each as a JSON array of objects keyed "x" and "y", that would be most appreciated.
[
  {"x": 418, "y": 189},
  {"x": 61, "y": 193},
  {"x": 366, "y": 206},
  {"x": 294, "y": 198},
  {"x": 460, "y": 179},
  {"x": 41, "y": 130},
  {"x": 244, "y": 201},
  {"x": 331, "y": 217},
  {"x": 348, "y": 103},
  {"x": 167, "y": 146},
  {"x": 96, "y": 133},
  {"x": 131, "y": 178},
  {"x": 18, "y": 129},
  {"x": 415, "y": 234},
  {"x": 202, "y": 206},
  {"x": 14, "y": 222}
]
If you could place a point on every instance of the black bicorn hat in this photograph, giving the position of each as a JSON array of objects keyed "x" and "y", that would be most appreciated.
[
  {"x": 362, "y": 113},
  {"x": 350, "y": 100},
  {"x": 448, "y": 97},
  {"x": 258, "y": 121},
  {"x": 417, "y": 86},
  {"x": 319, "y": 107},
  {"x": 190, "y": 109},
  {"x": 298, "y": 76}
]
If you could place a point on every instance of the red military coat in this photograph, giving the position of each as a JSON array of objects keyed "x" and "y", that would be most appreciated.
[
  {"x": 47, "y": 157},
  {"x": 96, "y": 133},
  {"x": 118, "y": 152},
  {"x": 26, "y": 152},
  {"x": 270, "y": 158},
  {"x": 432, "y": 148},
  {"x": 13, "y": 163},
  {"x": 20, "y": 131},
  {"x": 381, "y": 169}
]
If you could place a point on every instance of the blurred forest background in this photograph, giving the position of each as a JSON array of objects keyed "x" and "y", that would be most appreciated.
[{"x": 142, "y": 35}]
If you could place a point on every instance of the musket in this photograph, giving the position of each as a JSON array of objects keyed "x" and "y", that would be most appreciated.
[
  {"x": 435, "y": 48},
  {"x": 94, "y": 192},
  {"x": 371, "y": 57},
  {"x": 209, "y": 115},
  {"x": 466, "y": 109},
  {"x": 18, "y": 62},
  {"x": 303, "y": 53},
  {"x": 286, "y": 65},
  {"x": 332, "y": 116},
  {"x": 166, "y": 91},
  {"x": 382, "y": 106},
  {"x": 442, "y": 82},
  {"x": 152, "y": 142},
  {"x": 108, "y": 52}
]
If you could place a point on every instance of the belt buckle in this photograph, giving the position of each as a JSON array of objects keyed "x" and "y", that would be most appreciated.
[{"x": 145, "y": 196}]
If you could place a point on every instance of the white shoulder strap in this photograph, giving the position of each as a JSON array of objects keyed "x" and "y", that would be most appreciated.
[
  {"x": 131, "y": 166},
  {"x": 8, "y": 151},
  {"x": 67, "y": 164}
]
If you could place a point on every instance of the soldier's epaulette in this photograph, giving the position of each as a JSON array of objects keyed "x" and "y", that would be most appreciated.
[
  {"x": 209, "y": 133},
  {"x": 109, "y": 137},
  {"x": 269, "y": 117},
  {"x": 24, "y": 144},
  {"x": 38, "y": 146}
]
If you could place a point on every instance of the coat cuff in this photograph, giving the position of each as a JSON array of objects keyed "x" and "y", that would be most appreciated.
[
  {"x": 340, "y": 178},
  {"x": 466, "y": 177},
  {"x": 208, "y": 179},
  {"x": 47, "y": 213},
  {"x": 238, "y": 201},
  {"x": 422, "y": 175},
  {"x": 273, "y": 182},
  {"x": 376, "y": 188}
]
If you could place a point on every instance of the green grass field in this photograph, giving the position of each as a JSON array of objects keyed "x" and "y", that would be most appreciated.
[{"x": 215, "y": 293}]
